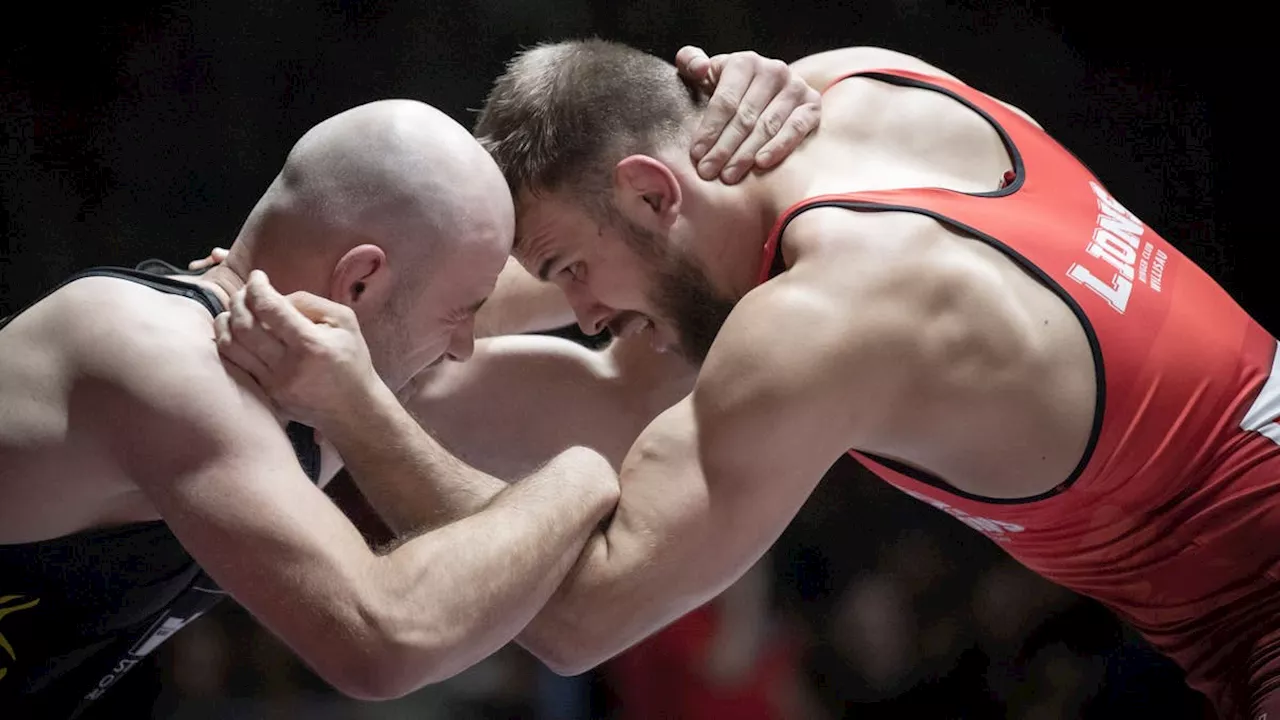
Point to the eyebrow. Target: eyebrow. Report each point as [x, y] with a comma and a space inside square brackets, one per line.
[544, 270]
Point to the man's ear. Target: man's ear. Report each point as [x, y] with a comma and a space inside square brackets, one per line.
[361, 278]
[647, 191]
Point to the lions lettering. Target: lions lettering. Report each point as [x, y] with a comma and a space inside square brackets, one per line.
[1114, 245]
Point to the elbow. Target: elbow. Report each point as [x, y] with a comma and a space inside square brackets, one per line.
[565, 661]
[565, 651]
[370, 675]
[384, 664]
[359, 676]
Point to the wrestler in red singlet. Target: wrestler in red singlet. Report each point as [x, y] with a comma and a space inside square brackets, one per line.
[1172, 516]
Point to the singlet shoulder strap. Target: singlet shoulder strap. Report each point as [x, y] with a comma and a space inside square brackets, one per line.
[141, 276]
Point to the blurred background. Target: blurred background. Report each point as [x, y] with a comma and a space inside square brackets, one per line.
[135, 130]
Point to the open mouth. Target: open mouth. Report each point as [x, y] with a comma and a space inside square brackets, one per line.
[629, 323]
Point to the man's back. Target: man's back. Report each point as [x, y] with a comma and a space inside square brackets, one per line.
[975, 330]
[1122, 361]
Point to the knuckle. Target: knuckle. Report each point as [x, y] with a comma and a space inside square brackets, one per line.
[772, 123]
[348, 318]
[777, 67]
[724, 101]
[240, 324]
[799, 123]
[715, 156]
[745, 117]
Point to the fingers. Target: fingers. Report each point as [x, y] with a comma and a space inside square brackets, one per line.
[236, 353]
[321, 310]
[215, 257]
[803, 121]
[721, 129]
[273, 311]
[695, 67]
[752, 119]
[774, 118]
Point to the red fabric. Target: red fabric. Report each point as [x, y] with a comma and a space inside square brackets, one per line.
[664, 676]
[1174, 521]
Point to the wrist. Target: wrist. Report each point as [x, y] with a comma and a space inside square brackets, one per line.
[370, 411]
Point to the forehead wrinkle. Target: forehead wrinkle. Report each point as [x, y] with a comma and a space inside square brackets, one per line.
[531, 247]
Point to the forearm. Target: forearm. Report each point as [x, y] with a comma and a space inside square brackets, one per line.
[609, 601]
[483, 578]
[408, 477]
[660, 556]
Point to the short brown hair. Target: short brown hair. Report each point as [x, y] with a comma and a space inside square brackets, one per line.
[565, 113]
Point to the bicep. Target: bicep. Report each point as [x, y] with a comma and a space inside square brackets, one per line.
[706, 489]
[212, 459]
[703, 495]
[522, 400]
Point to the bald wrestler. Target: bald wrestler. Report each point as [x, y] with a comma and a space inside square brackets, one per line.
[132, 463]
[141, 480]
[930, 280]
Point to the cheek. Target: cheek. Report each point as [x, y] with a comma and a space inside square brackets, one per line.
[613, 282]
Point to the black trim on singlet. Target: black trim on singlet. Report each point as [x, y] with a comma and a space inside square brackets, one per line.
[1019, 169]
[1094, 347]
[156, 282]
[150, 273]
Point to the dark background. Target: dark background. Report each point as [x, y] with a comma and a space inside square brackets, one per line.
[136, 130]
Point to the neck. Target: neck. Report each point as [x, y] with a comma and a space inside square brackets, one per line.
[742, 216]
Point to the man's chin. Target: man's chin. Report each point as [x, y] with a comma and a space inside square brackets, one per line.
[410, 388]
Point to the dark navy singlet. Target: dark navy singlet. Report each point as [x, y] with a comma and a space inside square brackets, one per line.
[76, 612]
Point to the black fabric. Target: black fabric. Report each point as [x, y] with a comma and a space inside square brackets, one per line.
[76, 612]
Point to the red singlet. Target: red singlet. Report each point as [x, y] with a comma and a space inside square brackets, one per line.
[1172, 516]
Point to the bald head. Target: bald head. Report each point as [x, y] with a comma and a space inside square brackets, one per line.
[397, 174]
[393, 209]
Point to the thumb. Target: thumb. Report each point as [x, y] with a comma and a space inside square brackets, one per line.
[693, 65]
[321, 310]
[273, 311]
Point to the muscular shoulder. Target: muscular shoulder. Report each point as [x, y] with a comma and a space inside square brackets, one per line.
[144, 372]
[822, 69]
[832, 333]
[112, 329]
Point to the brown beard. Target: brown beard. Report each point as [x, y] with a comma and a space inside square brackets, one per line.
[685, 297]
[682, 292]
